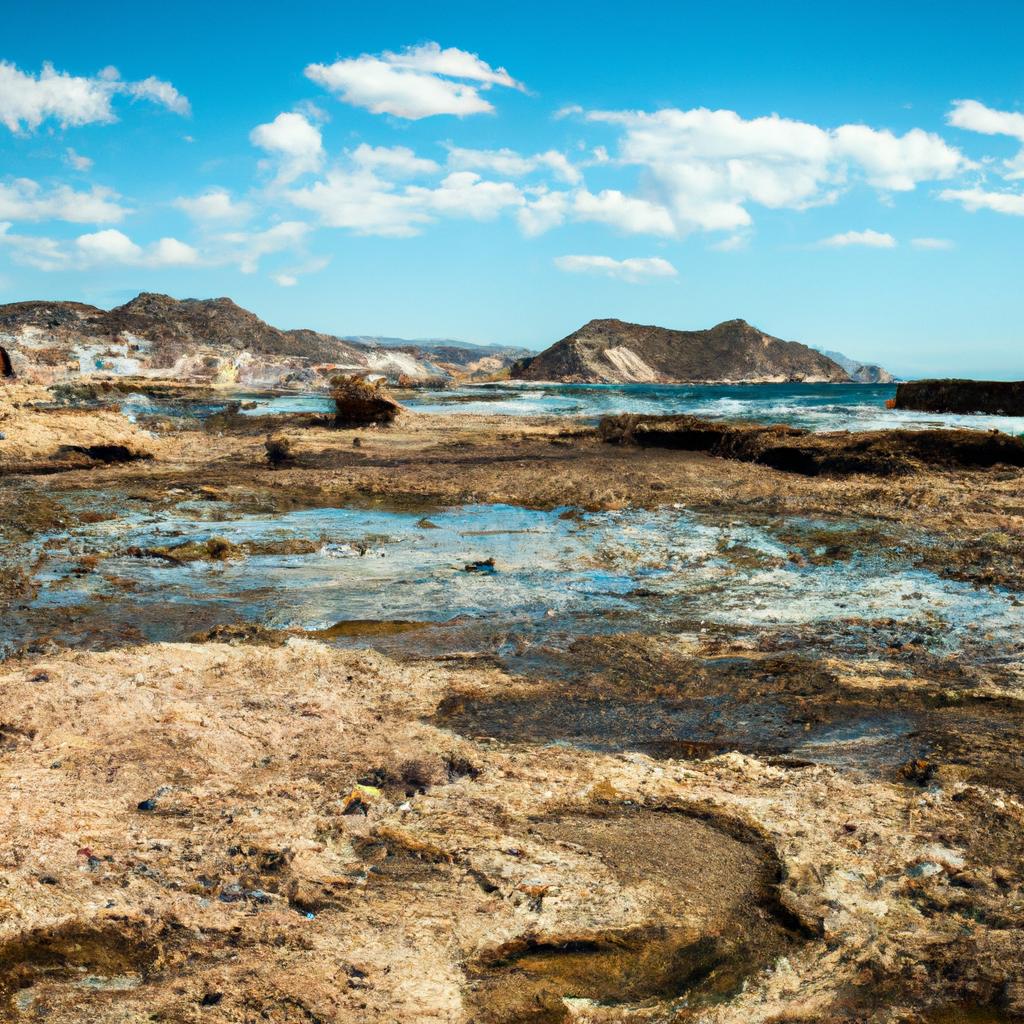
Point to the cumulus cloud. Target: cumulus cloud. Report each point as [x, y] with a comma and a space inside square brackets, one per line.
[626, 213]
[634, 270]
[898, 162]
[214, 205]
[113, 246]
[109, 247]
[704, 168]
[364, 196]
[542, 212]
[27, 100]
[393, 161]
[869, 238]
[294, 142]
[932, 243]
[509, 164]
[976, 117]
[465, 194]
[974, 199]
[25, 199]
[420, 81]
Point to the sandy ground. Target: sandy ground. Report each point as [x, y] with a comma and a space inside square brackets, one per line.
[204, 832]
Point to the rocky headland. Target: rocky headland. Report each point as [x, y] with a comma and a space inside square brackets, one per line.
[612, 351]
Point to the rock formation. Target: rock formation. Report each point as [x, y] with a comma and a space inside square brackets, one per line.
[199, 339]
[997, 397]
[612, 351]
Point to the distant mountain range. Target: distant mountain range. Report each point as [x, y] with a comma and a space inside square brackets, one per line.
[612, 351]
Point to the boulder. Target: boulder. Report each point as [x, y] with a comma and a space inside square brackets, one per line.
[361, 403]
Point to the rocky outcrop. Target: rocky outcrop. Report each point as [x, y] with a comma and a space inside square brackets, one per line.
[612, 351]
[996, 397]
[197, 339]
[881, 452]
[860, 372]
[35, 438]
[358, 403]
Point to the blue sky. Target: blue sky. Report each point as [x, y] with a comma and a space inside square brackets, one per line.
[853, 179]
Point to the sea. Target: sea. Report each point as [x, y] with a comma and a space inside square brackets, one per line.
[817, 407]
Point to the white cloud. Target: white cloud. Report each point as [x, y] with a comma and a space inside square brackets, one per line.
[98, 248]
[162, 93]
[465, 194]
[27, 100]
[393, 161]
[704, 168]
[247, 248]
[932, 243]
[420, 81]
[366, 202]
[24, 199]
[509, 164]
[113, 246]
[974, 199]
[633, 270]
[294, 142]
[898, 162]
[286, 280]
[542, 212]
[976, 117]
[453, 63]
[627, 213]
[363, 203]
[872, 239]
[77, 161]
[214, 205]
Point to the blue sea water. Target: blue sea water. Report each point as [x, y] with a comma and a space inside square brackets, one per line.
[818, 407]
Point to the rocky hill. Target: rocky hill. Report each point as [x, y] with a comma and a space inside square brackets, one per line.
[157, 335]
[859, 371]
[612, 351]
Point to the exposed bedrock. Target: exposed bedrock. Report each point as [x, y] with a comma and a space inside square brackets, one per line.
[881, 452]
[998, 397]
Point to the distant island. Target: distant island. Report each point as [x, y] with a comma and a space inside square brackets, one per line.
[734, 352]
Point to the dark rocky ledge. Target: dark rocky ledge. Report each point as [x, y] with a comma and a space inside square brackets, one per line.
[1001, 398]
[879, 452]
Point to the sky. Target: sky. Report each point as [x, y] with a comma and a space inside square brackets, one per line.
[850, 176]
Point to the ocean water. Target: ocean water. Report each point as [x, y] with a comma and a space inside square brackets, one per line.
[818, 407]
